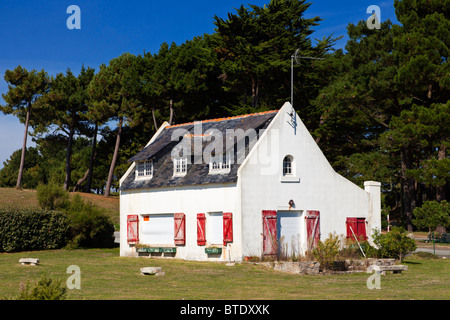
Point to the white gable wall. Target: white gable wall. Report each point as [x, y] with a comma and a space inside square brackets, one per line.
[320, 187]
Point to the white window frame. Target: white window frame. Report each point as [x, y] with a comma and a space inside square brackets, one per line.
[289, 173]
[179, 167]
[220, 166]
[144, 170]
[288, 166]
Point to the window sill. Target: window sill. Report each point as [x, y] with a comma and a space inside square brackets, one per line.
[289, 179]
[215, 172]
[143, 178]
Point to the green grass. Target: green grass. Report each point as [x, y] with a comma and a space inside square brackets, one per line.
[106, 276]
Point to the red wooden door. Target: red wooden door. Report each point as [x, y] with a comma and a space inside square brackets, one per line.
[269, 232]
[312, 228]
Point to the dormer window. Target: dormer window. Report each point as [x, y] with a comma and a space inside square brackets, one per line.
[220, 164]
[179, 166]
[144, 169]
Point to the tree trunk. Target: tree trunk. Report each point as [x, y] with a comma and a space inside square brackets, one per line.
[441, 190]
[91, 162]
[154, 119]
[69, 154]
[171, 111]
[77, 186]
[24, 148]
[255, 92]
[408, 188]
[114, 159]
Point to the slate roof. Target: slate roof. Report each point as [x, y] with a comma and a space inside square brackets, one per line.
[160, 152]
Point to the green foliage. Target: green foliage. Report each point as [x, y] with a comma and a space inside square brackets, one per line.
[326, 251]
[52, 196]
[432, 214]
[47, 288]
[28, 230]
[89, 226]
[394, 244]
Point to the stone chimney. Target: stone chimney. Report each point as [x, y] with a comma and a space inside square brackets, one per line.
[374, 218]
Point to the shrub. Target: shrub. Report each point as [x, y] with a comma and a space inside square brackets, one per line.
[52, 196]
[394, 244]
[46, 288]
[327, 251]
[28, 230]
[89, 227]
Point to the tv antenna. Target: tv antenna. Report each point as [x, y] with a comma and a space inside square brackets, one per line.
[297, 57]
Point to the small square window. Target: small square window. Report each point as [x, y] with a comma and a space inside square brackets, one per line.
[144, 169]
[180, 166]
[220, 164]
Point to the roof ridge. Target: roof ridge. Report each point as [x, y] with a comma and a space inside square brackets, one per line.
[224, 119]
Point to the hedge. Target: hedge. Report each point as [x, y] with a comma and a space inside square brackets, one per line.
[29, 230]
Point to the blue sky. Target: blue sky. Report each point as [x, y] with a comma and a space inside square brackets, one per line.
[34, 34]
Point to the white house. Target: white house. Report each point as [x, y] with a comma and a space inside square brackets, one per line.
[250, 185]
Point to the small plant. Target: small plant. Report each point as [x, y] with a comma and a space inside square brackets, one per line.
[46, 288]
[52, 196]
[394, 244]
[326, 251]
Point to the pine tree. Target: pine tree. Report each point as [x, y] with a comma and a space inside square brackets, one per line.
[24, 88]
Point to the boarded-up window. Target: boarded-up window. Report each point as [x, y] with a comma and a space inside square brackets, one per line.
[133, 229]
[227, 228]
[158, 230]
[214, 228]
[356, 227]
[201, 229]
[180, 229]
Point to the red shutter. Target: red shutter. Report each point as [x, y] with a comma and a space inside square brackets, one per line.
[269, 232]
[180, 229]
[227, 228]
[361, 229]
[312, 228]
[352, 224]
[201, 230]
[133, 229]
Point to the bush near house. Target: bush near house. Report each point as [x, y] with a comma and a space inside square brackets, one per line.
[29, 230]
[74, 223]
[394, 244]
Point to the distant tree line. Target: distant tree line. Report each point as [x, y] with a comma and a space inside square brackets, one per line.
[379, 109]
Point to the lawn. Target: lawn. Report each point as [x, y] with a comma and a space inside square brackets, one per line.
[106, 276]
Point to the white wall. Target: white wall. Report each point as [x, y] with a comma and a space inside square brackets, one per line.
[320, 187]
[189, 200]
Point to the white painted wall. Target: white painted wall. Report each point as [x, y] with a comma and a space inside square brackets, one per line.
[320, 187]
[189, 200]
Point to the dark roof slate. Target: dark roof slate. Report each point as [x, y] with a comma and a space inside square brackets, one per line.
[197, 174]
